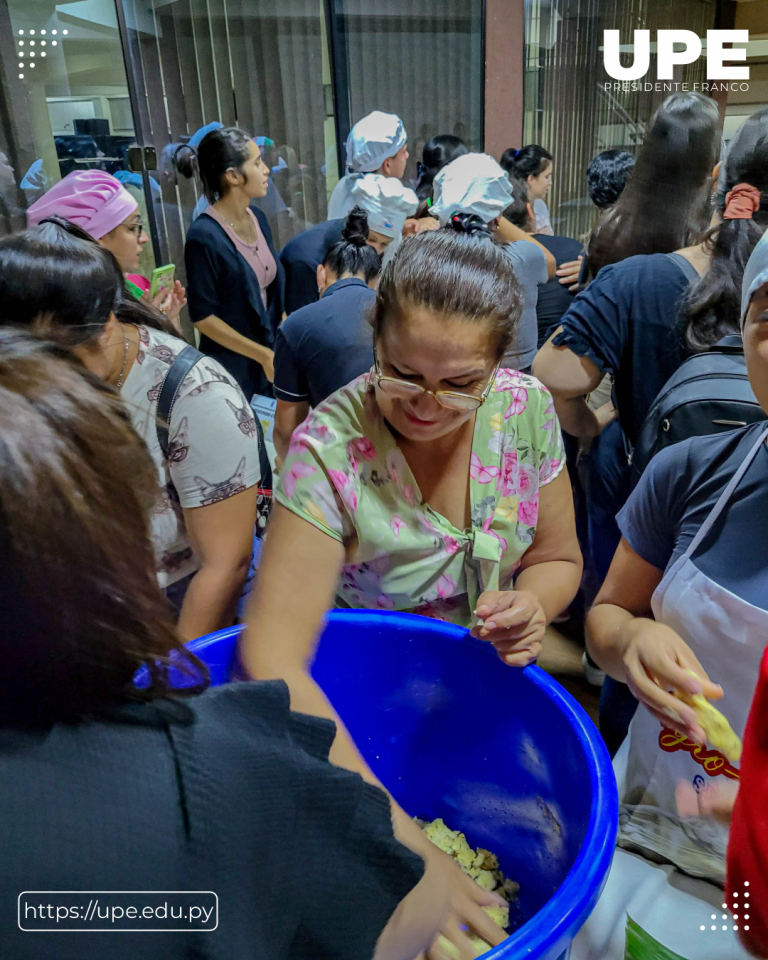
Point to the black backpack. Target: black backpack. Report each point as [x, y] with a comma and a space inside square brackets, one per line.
[709, 393]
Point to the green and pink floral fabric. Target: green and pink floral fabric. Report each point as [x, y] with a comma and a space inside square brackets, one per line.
[345, 474]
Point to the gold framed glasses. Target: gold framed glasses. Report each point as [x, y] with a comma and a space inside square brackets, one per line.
[450, 399]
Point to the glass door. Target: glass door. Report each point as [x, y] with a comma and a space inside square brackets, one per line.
[242, 63]
[420, 59]
[64, 103]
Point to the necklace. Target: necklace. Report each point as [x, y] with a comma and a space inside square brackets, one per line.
[251, 243]
[125, 363]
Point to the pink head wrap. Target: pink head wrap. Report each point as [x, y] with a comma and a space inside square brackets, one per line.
[92, 199]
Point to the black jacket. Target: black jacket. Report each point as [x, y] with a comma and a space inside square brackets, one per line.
[220, 282]
[301, 257]
[228, 792]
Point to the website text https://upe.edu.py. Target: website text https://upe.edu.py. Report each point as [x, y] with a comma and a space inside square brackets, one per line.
[117, 911]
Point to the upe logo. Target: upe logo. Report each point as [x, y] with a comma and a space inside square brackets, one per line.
[668, 57]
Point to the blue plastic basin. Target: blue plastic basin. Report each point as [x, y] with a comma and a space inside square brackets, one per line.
[506, 755]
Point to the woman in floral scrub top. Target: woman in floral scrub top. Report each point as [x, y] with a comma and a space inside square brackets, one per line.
[427, 494]
[346, 475]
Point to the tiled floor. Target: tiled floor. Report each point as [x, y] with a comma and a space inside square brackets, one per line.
[561, 657]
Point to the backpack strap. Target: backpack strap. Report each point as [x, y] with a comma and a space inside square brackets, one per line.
[732, 343]
[685, 266]
[177, 371]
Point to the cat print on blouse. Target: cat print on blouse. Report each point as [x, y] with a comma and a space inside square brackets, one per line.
[206, 443]
[178, 447]
[153, 394]
[245, 418]
[163, 352]
[171, 562]
[214, 492]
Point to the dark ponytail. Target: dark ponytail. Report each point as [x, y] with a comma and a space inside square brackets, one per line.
[713, 305]
[184, 159]
[470, 224]
[664, 205]
[352, 254]
[529, 161]
[517, 212]
[56, 280]
[438, 153]
[219, 151]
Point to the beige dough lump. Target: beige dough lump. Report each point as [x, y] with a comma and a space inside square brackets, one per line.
[482, 866]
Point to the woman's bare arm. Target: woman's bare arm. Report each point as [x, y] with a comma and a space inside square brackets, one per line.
[623, 598]
[551, 567]
[569, 379]
[284, 620]
[298, 561]
[511, 234]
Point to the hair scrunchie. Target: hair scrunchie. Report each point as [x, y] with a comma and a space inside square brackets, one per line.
[741, 202]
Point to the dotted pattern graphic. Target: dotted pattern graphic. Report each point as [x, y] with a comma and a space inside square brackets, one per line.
[739, 914]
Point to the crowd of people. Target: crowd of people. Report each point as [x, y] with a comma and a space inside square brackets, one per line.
[460, 397]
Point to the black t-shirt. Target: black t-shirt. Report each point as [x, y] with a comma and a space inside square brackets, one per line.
[677, 492]
[554, 298]
[627, 322]
[325, 345]
[301, 257]
[229, 792]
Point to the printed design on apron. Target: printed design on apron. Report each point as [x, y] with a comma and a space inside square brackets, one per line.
[713, 762]
[728, 636]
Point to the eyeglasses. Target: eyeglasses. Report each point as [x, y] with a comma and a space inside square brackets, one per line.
[135, 228]
[450, 399]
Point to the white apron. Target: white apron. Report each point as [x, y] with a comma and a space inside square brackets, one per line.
[728, 635]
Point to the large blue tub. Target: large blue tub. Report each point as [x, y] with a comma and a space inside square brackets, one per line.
[506, 755]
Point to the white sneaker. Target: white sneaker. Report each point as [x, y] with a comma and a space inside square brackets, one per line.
[595, 676]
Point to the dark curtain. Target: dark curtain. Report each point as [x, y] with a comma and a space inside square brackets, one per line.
[250, 63]
[420, 59]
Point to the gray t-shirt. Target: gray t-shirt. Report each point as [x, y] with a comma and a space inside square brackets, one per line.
[531, 269]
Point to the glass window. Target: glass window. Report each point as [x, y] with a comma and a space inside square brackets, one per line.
[251, 63]
[567, 109]
[66, 103]
[420, 59]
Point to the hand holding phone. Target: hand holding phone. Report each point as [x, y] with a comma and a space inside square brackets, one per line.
[162, 279]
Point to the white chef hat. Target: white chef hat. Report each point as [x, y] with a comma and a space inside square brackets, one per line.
[373, 140]
[386, 201]
[474, 183]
